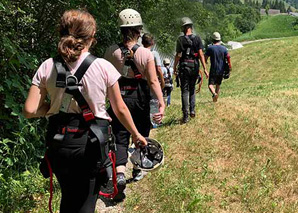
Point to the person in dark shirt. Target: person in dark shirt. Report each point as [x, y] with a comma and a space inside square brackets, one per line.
[218, 54]
[189, 50]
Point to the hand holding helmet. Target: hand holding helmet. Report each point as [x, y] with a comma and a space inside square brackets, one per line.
[139, 140]
[149, 157]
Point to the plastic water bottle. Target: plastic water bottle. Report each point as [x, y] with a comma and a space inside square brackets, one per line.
[154, 108]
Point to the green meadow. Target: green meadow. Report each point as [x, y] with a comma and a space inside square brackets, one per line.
[239, 154]
[272, 27]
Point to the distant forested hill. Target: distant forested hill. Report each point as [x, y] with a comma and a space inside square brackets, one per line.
[293, 3]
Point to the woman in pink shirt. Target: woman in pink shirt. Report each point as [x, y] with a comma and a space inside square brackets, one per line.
[74, 159]
[137, 68]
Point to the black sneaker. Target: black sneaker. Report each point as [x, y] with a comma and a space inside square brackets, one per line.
[121, 185]
[137, 174]
[185, 119]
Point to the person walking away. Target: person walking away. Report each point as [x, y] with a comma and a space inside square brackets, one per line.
[168, 76]
[137, 68]
[218, 55]
[72, 148]
[148, 42]
[189, 50]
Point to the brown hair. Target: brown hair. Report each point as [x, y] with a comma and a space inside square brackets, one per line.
[147, 40]
[130, 33]
[77, 29]
[186, 27]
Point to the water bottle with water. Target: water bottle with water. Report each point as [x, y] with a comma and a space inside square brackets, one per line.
[154, 108]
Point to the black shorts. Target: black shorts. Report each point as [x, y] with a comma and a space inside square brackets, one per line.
[215, 79]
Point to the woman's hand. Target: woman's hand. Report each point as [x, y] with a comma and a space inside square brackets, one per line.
[157, 117]
[139, 140]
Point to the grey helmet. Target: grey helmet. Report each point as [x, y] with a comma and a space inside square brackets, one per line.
[186, 21]
[147, 158]
[130, 18]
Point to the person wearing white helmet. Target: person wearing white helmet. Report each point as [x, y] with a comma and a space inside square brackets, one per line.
[168, 76]
[189, 50]
[218, 56]
[137, 67]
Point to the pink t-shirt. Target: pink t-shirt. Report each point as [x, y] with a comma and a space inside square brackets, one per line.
[141, 58]
[100, 75]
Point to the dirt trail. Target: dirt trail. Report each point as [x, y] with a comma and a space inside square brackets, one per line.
[265, 39]
[105, 205]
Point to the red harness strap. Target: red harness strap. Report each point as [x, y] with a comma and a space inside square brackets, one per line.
[51, 182]
[112, 156]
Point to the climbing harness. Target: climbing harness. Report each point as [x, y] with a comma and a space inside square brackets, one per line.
[98, 129]
[135, 87]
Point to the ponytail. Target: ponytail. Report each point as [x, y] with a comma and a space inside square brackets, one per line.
[77, 29]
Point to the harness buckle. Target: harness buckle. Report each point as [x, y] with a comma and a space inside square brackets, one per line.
[71, 80]
[138, 76]
[88, 115]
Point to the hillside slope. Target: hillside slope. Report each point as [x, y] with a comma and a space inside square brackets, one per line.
[239, 154]
[272, 27]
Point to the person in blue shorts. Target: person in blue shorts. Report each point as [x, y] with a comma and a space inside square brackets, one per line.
[218, 54]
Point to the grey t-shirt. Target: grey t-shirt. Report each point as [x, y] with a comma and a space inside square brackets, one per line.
[156, 58]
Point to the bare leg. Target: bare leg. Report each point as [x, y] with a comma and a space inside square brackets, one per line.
[120, 169]
[213, 91]
[211, 88]
[215, 97]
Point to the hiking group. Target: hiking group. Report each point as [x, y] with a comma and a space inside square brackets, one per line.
[86, 143]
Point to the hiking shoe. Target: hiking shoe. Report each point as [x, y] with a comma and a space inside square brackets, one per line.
[215, 97]
[192, 114]
[185, 120]
[121, 185]
[137, 174]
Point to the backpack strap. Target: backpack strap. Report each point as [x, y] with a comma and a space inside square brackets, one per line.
[189, 52]
[129, 56]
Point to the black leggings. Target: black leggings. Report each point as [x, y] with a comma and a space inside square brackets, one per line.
[140, 113]
[74, 162]
[79, 193]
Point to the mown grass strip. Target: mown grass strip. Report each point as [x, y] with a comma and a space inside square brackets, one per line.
[238, 155]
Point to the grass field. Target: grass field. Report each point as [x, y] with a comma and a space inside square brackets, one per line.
[239, 154]
[271, 27]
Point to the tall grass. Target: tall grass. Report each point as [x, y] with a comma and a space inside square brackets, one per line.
[239, 154]
[272, 27]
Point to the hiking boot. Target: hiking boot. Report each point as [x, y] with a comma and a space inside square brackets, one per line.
[185, 119]
[121, 185]
[215, 97]
[137, 174]
[192, 114]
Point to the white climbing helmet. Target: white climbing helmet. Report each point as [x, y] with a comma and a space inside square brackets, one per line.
[166, 61]
[216, 36]
[147, 158]
[130, 18]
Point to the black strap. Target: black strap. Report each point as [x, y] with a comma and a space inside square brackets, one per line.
[129, 59]
[189, 40]
[189, 51]
[169, 73]
[84, 66]
[62, 69]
